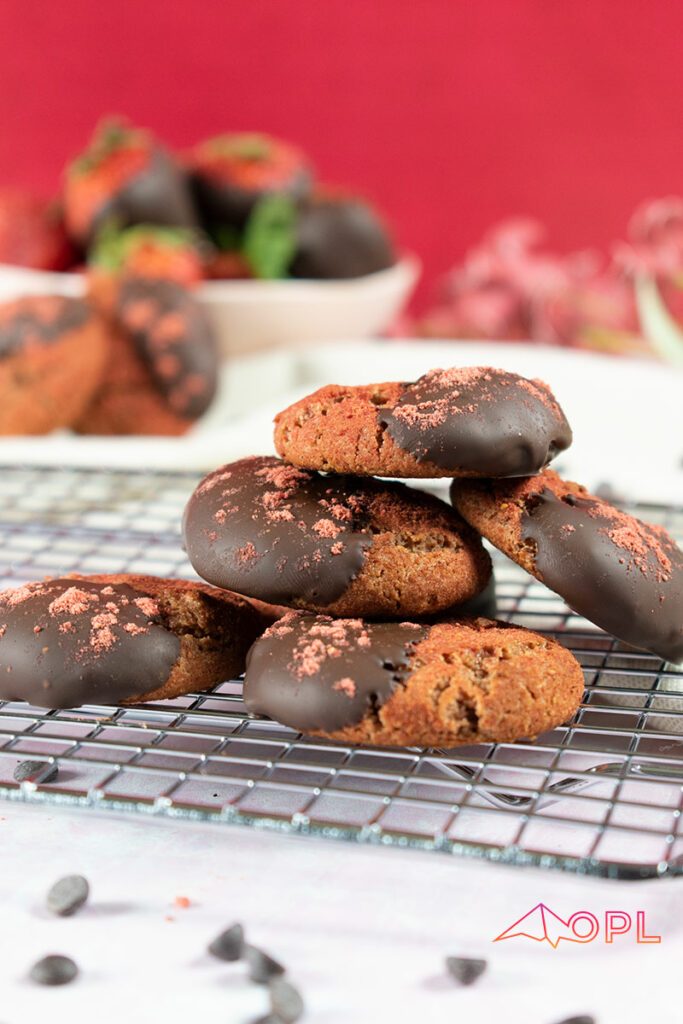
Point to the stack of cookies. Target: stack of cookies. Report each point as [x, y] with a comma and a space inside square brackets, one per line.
[383, 644]
[356, 602]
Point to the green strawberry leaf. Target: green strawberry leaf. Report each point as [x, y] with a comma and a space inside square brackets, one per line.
[247, 146]
[269, 240]
[113, 245]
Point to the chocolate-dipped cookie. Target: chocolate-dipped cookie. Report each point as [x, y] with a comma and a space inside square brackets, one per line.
[125, 177]
[337, 544]
[403, 684]
[339, 237]
[230, 173]
[624, 575]
[468, 421]
[162, 370]
[53, 352]
[121, 639]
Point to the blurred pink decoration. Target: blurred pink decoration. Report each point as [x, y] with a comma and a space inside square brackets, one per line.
[509, 288]
[595, 311]
[656, 238]
[492, 294]
[655, 249]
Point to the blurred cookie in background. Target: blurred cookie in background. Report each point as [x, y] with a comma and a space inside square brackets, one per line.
[53, 354]
[162, 367]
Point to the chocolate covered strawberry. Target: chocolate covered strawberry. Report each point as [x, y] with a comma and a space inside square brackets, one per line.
[126, 177]
[340, 237]
[231, 173]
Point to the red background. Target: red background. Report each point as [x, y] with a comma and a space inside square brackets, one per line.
[449, 114]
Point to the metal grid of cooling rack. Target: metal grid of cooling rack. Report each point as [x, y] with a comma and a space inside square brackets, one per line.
[601, 795]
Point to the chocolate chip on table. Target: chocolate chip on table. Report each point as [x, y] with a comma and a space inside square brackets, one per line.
[28, 771]
[262, 968]
[229, 945]
[68, 895]
[286, 1004]
[54, 970]
[464, 969]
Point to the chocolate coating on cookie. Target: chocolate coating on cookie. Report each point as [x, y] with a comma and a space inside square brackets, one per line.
[621, 573]
[69, 642]
[478, 419]
[315, 673]
[38, 320]
[451, 683]
[174, 339]
[277, 533]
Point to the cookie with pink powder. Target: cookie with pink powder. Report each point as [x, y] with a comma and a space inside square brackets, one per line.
[444, 684]
[624, 575]
[339, 544]
[121, 639]
[162, 368]
[467, 421]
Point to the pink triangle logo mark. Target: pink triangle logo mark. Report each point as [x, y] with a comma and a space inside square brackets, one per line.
[541, 923]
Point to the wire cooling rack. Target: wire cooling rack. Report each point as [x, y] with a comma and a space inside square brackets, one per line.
[601, 795]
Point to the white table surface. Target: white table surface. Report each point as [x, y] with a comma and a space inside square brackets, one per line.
[363, 931]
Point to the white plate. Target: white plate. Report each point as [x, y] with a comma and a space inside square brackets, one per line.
[252, 316]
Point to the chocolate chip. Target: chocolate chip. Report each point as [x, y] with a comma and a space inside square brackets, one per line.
[261, 966]
[53, 970]
[464, 969]
[68, 895]
[28, 771]
[286, 1004]
[583, 1019]
[229, 945]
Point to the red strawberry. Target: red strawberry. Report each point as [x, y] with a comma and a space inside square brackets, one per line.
[32, 233]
